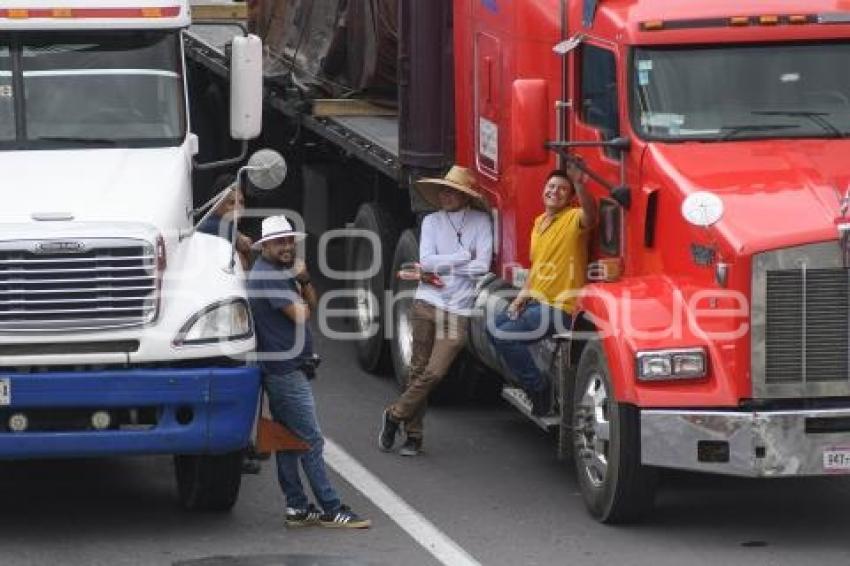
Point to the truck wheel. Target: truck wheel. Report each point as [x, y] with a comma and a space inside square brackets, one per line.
[401, 344]
[373, 348]
[208, 482]
[615, 486]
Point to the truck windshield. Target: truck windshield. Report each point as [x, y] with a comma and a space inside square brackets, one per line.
[109, 90]
[742, 92]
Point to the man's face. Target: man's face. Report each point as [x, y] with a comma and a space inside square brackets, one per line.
[231, 203]
[557, 193]
[280, 250]
[451, 200]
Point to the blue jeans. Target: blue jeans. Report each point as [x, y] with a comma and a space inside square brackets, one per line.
[291, 402]
[534, 323]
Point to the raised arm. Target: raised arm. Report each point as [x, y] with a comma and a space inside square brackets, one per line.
[588, 204]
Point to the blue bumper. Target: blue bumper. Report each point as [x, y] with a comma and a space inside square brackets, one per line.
[222, 403]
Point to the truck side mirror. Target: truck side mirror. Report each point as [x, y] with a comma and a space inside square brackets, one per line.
[530, 121]
[246, 88]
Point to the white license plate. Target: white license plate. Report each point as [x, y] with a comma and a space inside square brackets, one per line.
[5, 391]
[836, 460]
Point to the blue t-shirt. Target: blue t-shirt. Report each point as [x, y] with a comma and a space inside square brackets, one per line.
[282, 345]
[216, 226]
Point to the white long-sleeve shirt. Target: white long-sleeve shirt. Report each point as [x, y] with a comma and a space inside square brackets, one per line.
[459, 259]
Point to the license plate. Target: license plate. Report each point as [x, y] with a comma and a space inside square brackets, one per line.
[5, 391]
[836, 460]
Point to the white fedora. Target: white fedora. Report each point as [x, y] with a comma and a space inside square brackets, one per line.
[275, 227]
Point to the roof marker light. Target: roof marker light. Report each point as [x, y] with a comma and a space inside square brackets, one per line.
[768, 20]
[653, 25]
[89, 13]
[739, 21]
[798, 19]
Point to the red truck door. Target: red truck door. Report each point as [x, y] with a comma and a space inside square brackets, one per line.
[596, 117]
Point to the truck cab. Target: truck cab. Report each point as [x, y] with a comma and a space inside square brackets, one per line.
[123, 331]
[713, 333]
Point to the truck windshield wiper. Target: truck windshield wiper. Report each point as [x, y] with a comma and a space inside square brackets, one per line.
[77, 140]
[818, 118]
[734, 130]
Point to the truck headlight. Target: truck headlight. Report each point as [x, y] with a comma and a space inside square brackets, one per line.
[221, 322]
[661, 365]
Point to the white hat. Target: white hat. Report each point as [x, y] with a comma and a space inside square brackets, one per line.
[275, 227]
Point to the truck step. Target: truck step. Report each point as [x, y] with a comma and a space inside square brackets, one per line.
[517, 397]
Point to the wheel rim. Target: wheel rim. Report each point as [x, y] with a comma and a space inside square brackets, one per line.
[593, 430]
[404, 332]
[365, 301]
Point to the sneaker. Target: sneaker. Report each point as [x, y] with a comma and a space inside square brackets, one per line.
[344, 518]
[389, 430]
[411, 447]
[303, 517]
[541, 401]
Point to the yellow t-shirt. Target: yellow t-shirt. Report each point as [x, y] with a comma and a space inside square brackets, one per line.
[559, 259]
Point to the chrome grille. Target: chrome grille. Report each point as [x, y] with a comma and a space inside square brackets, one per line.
[801, 323]
[93, 284]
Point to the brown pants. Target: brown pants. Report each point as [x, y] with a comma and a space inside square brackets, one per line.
[438, 337]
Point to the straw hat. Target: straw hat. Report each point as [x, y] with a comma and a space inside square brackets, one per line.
[458, 178]
[275, 227]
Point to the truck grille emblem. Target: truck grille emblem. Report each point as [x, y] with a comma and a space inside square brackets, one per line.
[64, 247]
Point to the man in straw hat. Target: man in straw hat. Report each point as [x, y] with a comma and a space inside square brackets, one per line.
[558, 264]
[282, 300]
[456, 247]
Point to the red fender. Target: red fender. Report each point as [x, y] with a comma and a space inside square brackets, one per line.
[659, 313]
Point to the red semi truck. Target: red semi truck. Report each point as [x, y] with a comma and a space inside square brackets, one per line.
[714, 335]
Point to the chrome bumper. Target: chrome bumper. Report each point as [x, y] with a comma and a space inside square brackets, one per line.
[753, 444]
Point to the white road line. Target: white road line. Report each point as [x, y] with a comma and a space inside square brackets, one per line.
[409, 519]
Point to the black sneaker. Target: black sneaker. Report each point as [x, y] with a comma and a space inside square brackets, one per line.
[303, 517]
[389, 430]
[411, 447]
[344, 518]
[541, 401]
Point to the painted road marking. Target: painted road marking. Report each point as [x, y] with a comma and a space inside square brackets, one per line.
[409, 519]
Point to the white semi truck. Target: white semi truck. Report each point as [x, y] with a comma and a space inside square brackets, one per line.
[122, 330]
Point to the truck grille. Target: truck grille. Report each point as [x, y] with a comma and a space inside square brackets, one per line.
[80, 285]
[801, 325]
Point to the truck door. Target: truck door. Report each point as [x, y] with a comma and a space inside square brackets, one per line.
[595, 94]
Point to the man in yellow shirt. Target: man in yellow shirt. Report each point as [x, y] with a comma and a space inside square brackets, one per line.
[558, 270]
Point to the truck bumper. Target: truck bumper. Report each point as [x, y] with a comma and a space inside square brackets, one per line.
[189, 411]
[752, 444]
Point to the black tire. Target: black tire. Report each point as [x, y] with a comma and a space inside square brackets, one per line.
[208, 482]
[373, 350]
[621, 490]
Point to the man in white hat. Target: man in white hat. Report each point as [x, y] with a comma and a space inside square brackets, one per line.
[455, 248]
[282, 301]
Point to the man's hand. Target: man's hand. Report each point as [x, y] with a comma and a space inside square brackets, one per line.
[299, 271]
[243, 244]
[576, 175]
[518, 305]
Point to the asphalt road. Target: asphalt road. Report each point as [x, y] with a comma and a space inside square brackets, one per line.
[488, 480]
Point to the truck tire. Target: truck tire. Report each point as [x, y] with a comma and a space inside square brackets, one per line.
[373, 349]
[401, 343]
[208, 482]
[615, 486]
